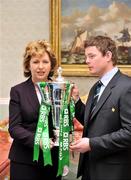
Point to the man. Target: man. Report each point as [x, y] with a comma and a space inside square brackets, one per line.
[106, 143]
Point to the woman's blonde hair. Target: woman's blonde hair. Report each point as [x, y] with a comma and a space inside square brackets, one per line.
[35, 48]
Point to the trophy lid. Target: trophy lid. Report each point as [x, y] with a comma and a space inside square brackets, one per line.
[60, 78]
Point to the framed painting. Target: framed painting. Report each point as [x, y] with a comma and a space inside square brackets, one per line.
[74, 21]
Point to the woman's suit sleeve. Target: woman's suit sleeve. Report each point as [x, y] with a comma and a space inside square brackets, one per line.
[16, 129]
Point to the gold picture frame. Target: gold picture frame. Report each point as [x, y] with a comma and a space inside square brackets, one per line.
[55, 39]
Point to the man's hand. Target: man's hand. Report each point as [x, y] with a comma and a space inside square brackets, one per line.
[75, 93]
[82, 145]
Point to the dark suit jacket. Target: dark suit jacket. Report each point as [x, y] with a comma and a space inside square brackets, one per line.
[109, 131]
[23, 118]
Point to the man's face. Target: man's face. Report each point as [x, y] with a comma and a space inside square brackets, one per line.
[97, 63]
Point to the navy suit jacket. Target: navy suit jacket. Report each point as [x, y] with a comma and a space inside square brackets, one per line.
[109, 131]
[23, 117]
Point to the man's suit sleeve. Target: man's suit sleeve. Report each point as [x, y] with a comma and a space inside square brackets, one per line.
[80, 111]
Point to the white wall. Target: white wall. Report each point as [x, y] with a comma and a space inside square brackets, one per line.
[22, 21]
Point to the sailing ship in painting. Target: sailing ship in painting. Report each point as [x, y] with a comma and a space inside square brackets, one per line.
[74, 53]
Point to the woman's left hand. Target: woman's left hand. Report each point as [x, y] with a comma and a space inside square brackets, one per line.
[51, 143]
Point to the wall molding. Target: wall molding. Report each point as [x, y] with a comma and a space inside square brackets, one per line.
[4, 101]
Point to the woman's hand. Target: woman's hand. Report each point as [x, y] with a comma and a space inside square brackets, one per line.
[51, 143]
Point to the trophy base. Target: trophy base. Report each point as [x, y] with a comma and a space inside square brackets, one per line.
[56, 133]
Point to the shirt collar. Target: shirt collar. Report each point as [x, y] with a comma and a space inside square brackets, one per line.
[108, 76]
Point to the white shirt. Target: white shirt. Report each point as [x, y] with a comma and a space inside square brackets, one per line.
[38, 94]
[106, 79]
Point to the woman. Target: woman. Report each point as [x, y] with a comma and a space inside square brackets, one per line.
[39, 64]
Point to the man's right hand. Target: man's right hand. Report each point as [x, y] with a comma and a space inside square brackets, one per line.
[75, 93]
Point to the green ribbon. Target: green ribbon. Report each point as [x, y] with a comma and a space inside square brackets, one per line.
[72, 115]
[46, 140]
[72, 110]
[67, 112]
[42, 131]
[65, 130]
[38, 133]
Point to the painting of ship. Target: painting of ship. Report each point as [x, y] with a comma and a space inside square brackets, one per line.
[78, 43]
[79, 21]
[74, 54]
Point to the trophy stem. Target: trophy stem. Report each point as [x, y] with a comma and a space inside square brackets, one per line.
[56, 133]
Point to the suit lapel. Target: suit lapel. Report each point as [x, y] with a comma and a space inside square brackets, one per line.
[88, 104]
[106, 93]
[101, 101]
[31, 95]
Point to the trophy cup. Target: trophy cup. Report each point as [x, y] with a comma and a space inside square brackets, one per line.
[57, 91]
[54, 93]
[56, 97]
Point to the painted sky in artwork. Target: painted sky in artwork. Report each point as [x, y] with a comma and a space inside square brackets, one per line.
[98, 17]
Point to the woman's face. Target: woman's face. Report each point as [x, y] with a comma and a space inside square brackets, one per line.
[40, 67]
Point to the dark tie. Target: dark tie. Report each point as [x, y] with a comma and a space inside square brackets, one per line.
[96, 95]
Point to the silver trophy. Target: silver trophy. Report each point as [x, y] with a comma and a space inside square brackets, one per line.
[57, 91]
[53, 94]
